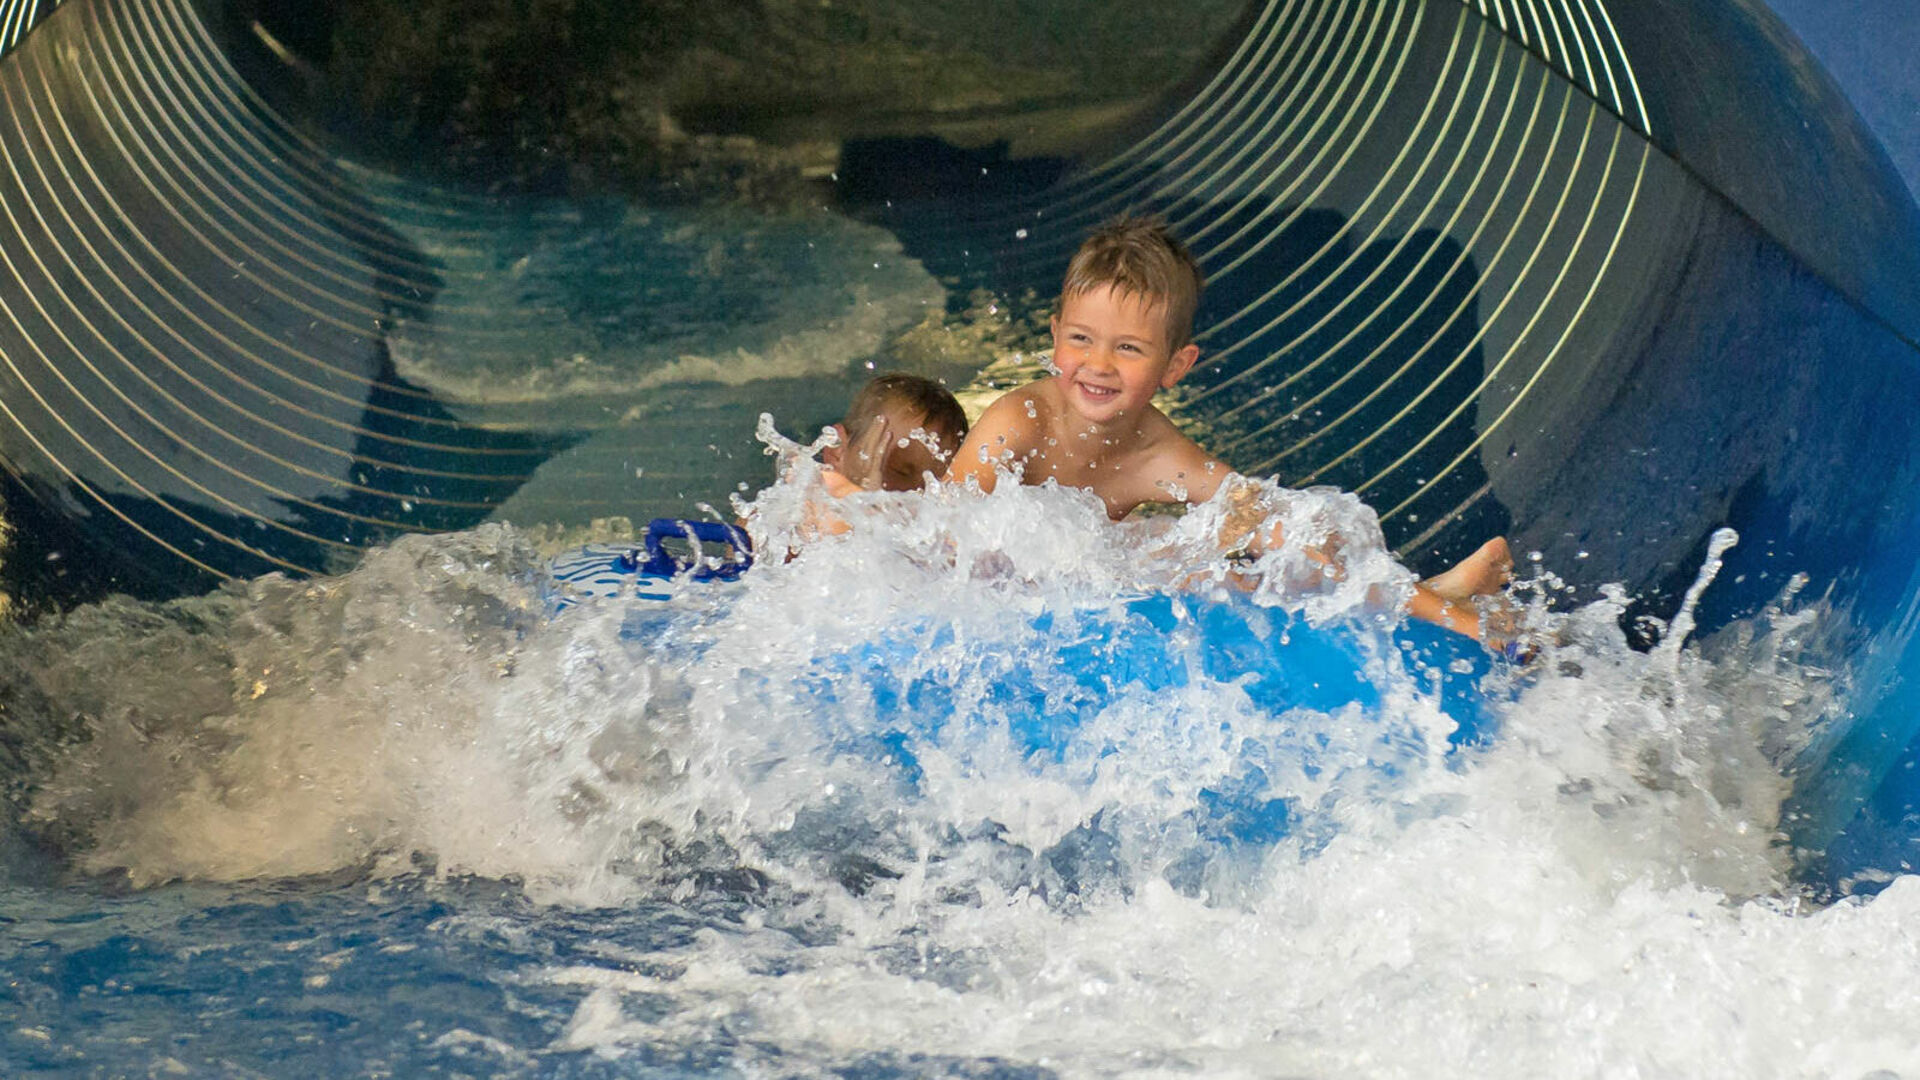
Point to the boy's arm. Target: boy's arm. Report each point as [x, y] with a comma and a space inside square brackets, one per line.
[1184, 472]
[1208, 473]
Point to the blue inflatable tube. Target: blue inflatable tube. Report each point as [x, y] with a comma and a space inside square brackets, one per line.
[1074, 665]
[1279, 661]
[1048, 691]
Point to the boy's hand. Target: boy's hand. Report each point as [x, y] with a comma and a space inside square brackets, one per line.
[837, 483]
[863, 464]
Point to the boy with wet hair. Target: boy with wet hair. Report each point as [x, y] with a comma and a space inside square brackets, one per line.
[898, 429]
[1122, 333]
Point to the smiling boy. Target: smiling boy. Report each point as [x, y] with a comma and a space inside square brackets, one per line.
[1123, 333]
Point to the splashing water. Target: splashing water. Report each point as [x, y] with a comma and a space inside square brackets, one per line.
[934, 798]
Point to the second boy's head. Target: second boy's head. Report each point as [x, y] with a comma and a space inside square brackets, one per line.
[897, 406]
[1124, 327]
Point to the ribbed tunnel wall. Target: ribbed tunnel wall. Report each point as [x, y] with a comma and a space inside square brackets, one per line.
[194, 316]
[1555, 269]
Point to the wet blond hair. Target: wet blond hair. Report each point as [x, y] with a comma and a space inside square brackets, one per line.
[1140, 256]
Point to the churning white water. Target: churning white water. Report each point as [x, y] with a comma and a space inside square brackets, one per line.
[978, 817]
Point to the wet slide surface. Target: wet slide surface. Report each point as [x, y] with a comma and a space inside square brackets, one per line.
[1603, 277]
[966, 791]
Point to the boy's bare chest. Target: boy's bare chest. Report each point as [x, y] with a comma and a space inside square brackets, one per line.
[1110, 474]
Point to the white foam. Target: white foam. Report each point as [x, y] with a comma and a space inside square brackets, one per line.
[1597, 892]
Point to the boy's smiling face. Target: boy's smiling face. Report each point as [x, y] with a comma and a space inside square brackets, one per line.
[1113, 352]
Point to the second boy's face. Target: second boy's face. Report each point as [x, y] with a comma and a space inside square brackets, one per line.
[1113, 353]
[904, 468]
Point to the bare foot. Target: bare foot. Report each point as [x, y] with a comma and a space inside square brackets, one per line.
[1482, 573]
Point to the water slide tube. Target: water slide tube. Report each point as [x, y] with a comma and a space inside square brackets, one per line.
[1603, 276]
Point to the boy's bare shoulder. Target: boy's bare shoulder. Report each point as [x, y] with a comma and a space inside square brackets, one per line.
[1035, 399]
[1008, 430]
[1021, 413]
[1174, 467]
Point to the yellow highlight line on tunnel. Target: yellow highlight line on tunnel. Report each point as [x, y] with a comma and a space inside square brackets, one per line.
[1386, 179]
[1566, 331]
[1305, 203]
[1539, 31]
[1468, 248]
[1587, 76]
[1517, 221]
[1646, 122]
[128, 222]
[95, 260]
[1441, 233]
[1519, 339]
[1296, 144]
